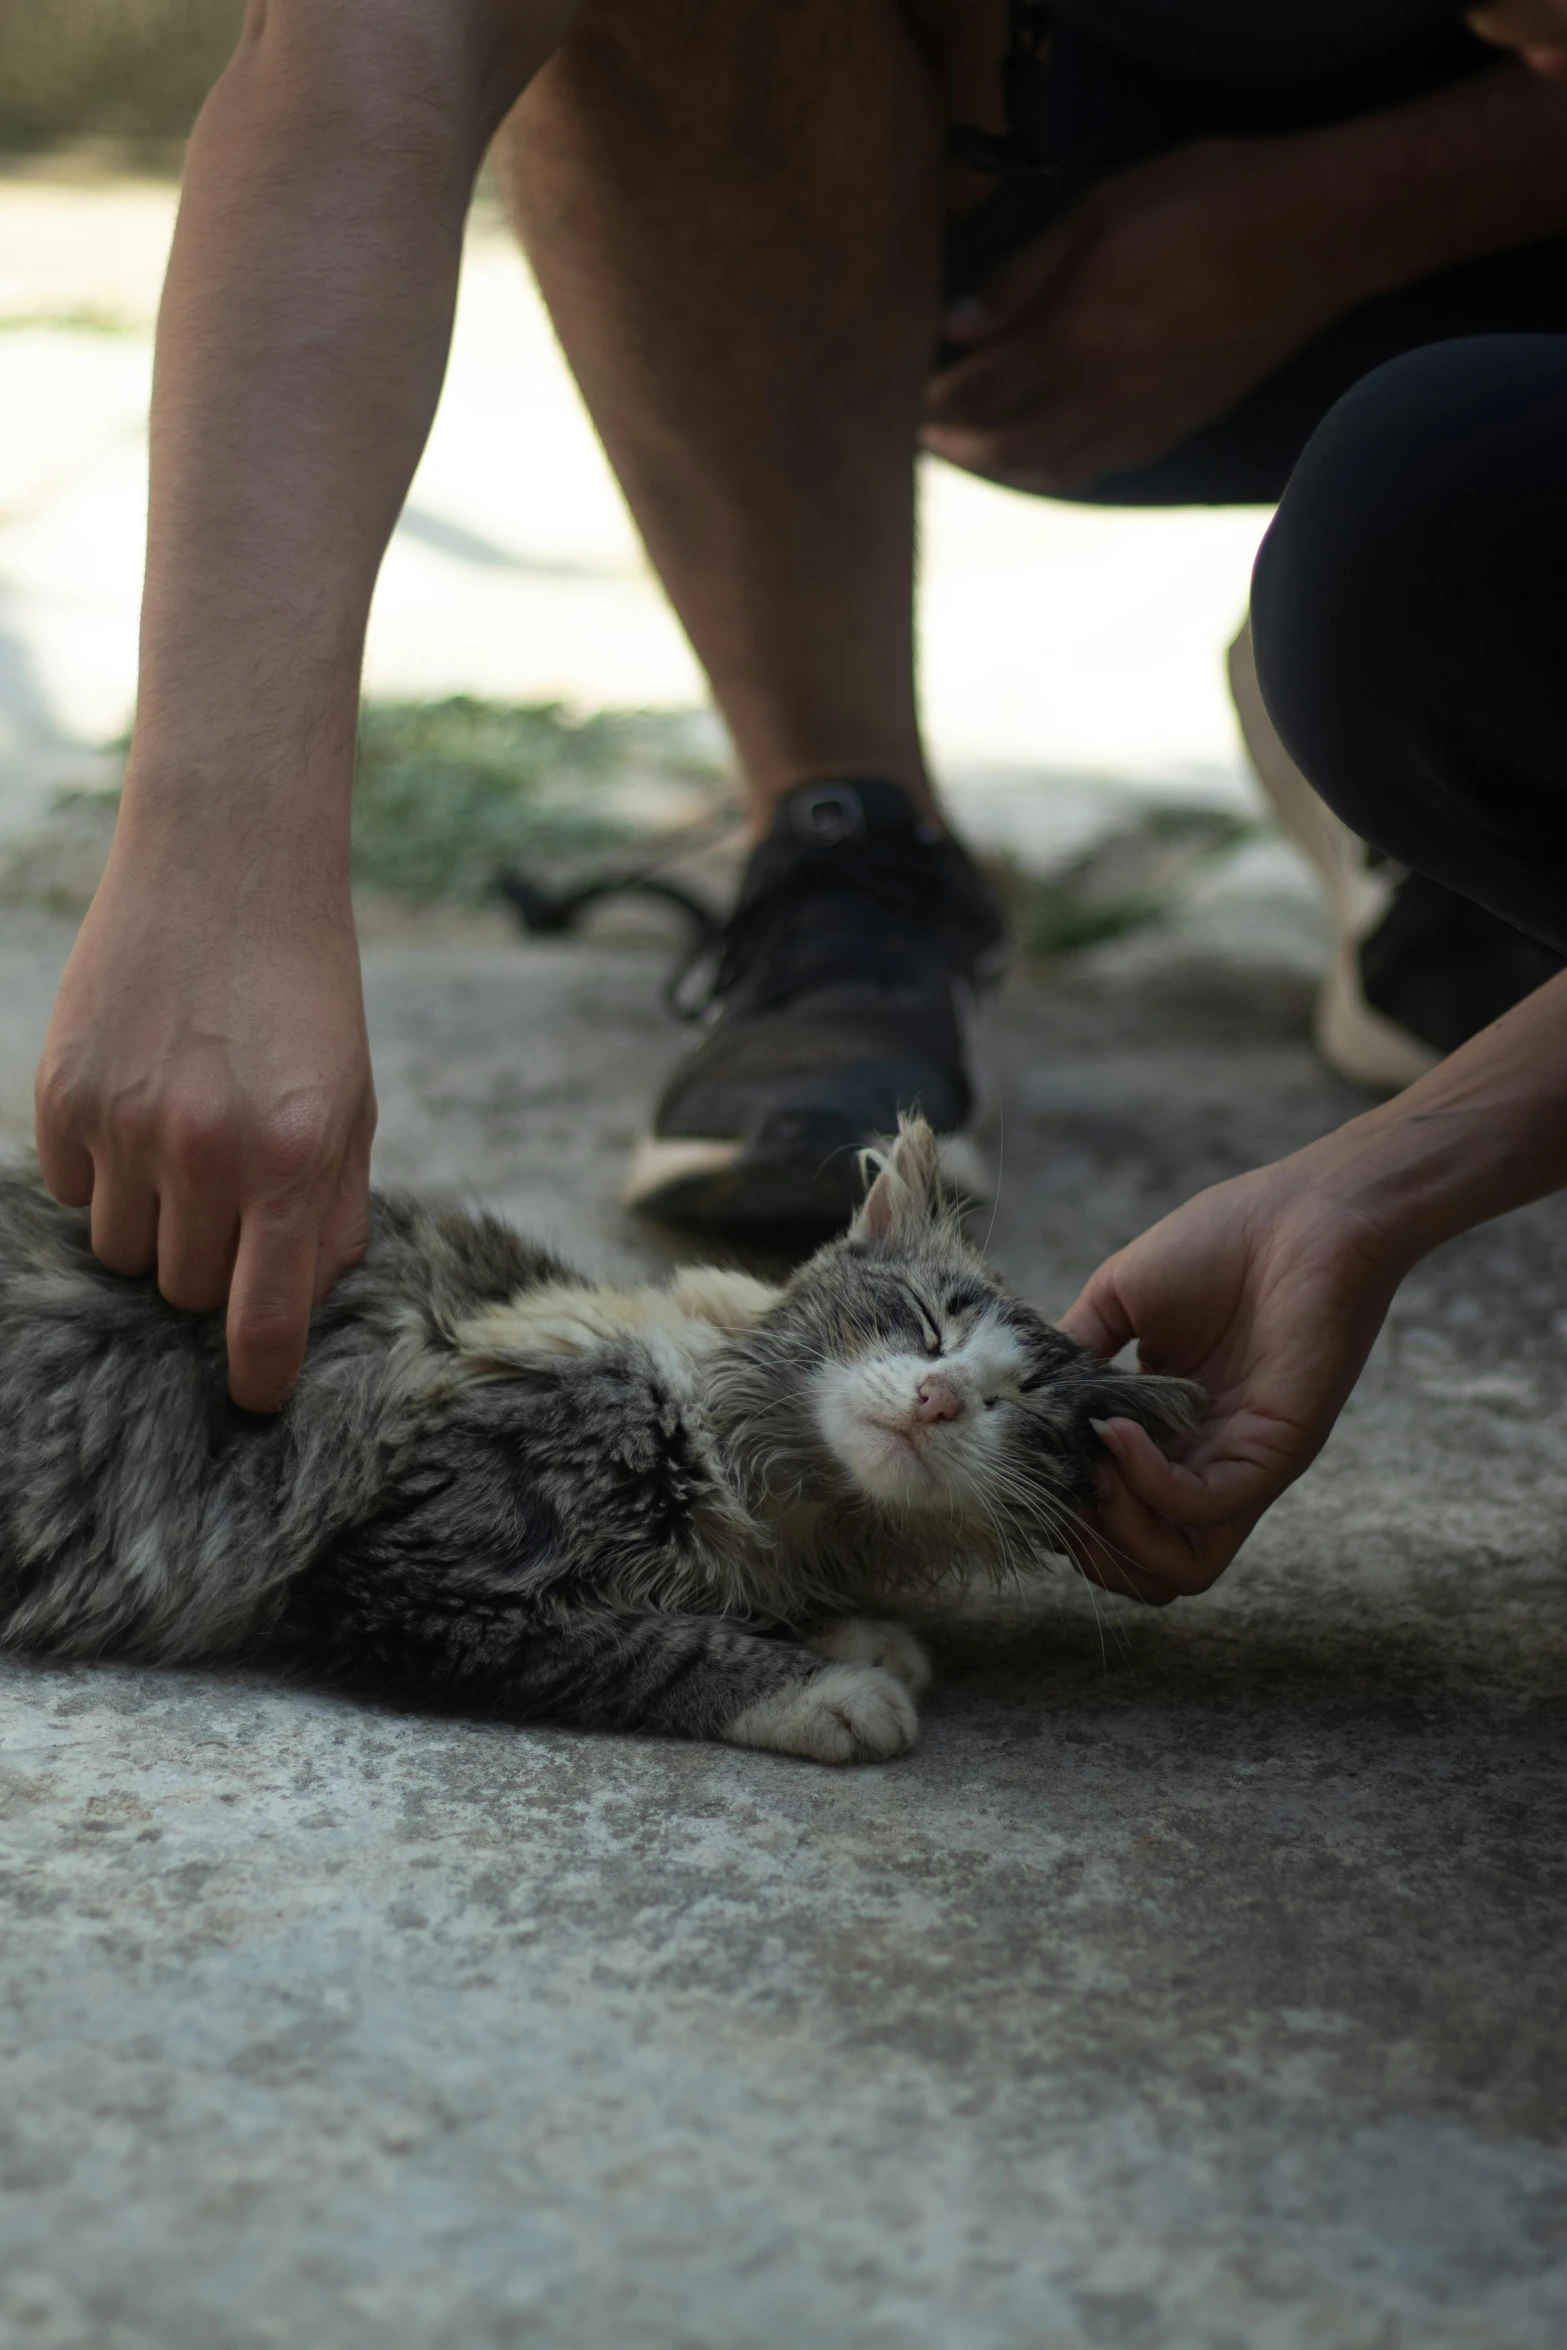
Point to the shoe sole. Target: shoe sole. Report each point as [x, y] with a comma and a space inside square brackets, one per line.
[686, 1180]
[1357, 1041]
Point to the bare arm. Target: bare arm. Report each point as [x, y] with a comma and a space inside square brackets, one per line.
[1271, 1289]
[206, 1083]
[1171, 290]
[1473, 169]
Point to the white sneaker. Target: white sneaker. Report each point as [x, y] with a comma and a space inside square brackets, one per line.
[1353, 1037]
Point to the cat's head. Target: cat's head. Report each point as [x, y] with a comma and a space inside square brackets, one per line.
[898, 1375]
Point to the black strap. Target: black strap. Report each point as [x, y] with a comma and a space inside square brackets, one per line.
[549, 913]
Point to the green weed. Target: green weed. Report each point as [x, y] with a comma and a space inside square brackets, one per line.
[1133, 877]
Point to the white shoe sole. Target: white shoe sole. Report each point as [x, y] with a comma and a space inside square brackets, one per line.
[1355, 1039]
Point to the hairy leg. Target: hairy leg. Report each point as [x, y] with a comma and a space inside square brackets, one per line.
[733, 208]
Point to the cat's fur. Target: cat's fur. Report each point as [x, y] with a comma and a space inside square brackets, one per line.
[498, 1484]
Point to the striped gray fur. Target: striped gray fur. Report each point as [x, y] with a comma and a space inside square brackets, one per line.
[502, 1486]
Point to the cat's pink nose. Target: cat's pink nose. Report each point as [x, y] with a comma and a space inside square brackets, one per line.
[938, 1399]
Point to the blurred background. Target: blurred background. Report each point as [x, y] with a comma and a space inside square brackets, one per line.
[1072, 659]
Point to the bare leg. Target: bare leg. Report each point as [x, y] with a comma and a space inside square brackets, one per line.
[734, 210]
[733, 207]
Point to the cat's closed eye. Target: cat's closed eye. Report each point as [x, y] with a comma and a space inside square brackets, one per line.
[930, 1328]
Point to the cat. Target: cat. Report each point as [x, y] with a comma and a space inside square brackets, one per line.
[497, 1484]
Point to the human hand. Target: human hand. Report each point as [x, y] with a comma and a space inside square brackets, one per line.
[1152, 307]
[1269, 1290]
[206, 1088]
[1537, 29]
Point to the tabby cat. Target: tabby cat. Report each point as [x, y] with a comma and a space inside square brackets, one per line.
[661, 1508]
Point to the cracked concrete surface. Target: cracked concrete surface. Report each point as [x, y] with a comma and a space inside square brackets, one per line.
[1195, 1986]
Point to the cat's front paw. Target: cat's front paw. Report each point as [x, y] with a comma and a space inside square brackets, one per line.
[845, 1713]
[858, 1640]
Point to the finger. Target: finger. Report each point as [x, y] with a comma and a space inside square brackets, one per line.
[124, 1228]
[1001, 457]
[1103, 1557]
[345, 1232]
[1208, 1496]
[1079, 454]
[1177, 1560]
[198, 1233]
[1104, 1562]
[66, 1168]
[64, 1160]
[1013, 381]
[1047, 453]
[1010, 288]
[971, 452]
[1189, 1558]
[270, 1302]
[1097, 1318]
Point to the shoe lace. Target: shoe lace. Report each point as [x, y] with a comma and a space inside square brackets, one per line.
[866, 911]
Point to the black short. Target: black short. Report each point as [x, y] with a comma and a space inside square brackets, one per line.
[1098, 110]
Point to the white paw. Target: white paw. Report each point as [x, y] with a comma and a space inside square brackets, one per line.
[848, 1713]
[857, 1640]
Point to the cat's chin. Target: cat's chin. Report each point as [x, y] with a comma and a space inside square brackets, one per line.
[887, 1465]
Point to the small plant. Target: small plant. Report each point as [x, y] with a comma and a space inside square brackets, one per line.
[1131, 878]
[84, 320]
[447, 797]
[449, 793]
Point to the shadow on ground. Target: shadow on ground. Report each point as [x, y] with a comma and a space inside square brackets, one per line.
[1196, 1985]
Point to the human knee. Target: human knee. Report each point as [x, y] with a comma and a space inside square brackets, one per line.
[1396, 576]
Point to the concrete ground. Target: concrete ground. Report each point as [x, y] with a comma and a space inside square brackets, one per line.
[1196, 1985]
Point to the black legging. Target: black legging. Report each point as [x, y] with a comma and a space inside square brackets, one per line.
[1409, 610]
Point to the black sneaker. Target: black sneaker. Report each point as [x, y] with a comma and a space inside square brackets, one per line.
[838, 1001]
[1443, 968]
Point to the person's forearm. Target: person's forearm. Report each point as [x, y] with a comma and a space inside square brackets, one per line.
[1469, 170]
[1486, 1131]
[301, 346]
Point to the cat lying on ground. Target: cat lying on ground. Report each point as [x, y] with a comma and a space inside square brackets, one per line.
[658, 1508]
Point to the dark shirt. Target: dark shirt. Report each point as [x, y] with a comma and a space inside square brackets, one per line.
[1256, 40]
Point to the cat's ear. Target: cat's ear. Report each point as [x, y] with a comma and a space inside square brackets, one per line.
[906, 1195]
[1165, 1407]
